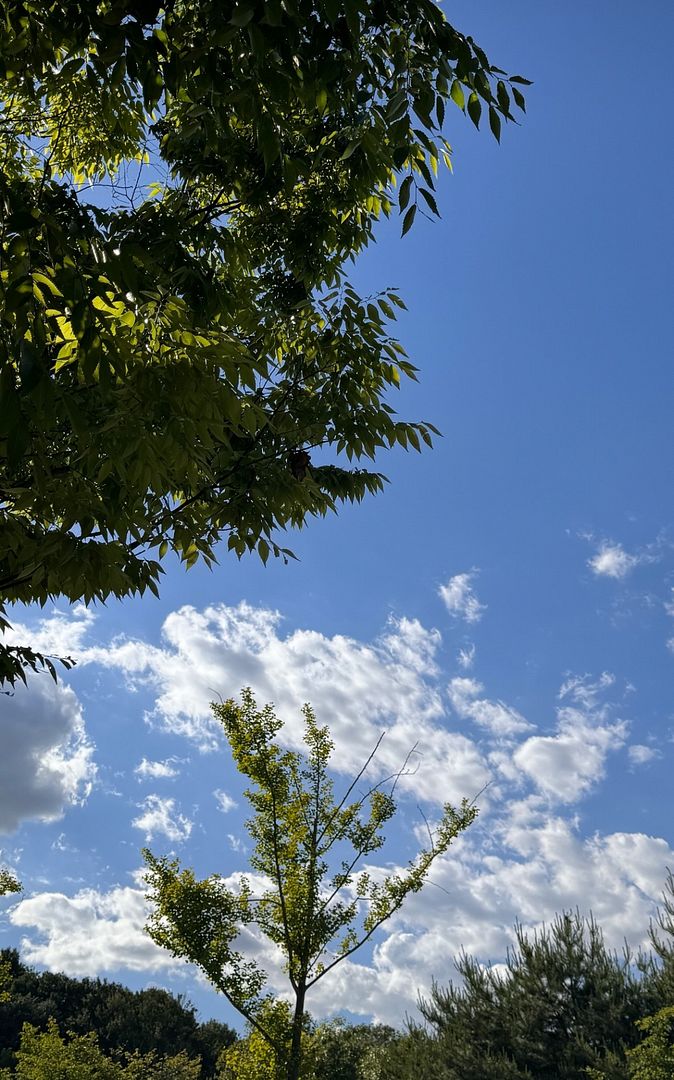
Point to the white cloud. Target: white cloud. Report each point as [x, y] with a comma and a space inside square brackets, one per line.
[225, 802]
[466, 657]
[157, 770]
[493, 715]
[565, 766]
[236, 843]
[525, 864]
[639, 754]
[159, 818]
[460, 599]
[89, 933]
[522, 859]
[358, 689]
[46, 763]
[57, 633]
[611, 560]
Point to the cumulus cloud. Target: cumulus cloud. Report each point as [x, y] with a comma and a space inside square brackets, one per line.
[611, 560]
[46, 763]
[89, 933]
[358, 689]
[567, 765]
[524, 858]
[459, 598]
[160, 818]
[527, 865]
[225, 802]
[157, 770]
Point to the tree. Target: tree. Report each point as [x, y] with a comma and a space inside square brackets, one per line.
[313, 902]
[566, 1005]
[351, 1051]
[181, 186]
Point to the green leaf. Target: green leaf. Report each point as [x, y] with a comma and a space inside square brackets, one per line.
[521, 80]
[519, 98]
[351, 148]
[457, 95]
[405, 189]
[408, 220]
[430, 200]
[243, 13]
[495, 123]
[268, 140]
[474, 109]
[31, 367]
[502, 97]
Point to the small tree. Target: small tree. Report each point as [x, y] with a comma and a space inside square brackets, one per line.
[254, 1057]
[316, 907]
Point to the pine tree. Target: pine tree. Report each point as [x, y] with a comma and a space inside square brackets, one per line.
[565, 1004]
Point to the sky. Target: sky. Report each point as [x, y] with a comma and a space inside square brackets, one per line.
[507, 604]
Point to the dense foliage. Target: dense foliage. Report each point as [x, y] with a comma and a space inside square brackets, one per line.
[142, 1021]
[313, 899]
[48, 1055]
[181, 185]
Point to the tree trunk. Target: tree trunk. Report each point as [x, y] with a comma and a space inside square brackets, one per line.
[295, 1058]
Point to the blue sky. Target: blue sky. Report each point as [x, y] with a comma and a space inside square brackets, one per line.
[530, 553]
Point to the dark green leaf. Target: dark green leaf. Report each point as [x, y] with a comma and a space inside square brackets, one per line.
[431, 201]
[405, 189]
[519, 99]
[408, 220]
[495, 123]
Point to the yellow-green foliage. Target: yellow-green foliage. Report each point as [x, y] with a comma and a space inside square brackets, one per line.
[653, 1058]
[47, 1055]
[254, 1058]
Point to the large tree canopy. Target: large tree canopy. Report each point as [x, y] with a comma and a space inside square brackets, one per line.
[181, 185]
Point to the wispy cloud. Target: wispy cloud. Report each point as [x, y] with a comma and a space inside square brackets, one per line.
[225, 802]
[157, 770]
[459, 597]
[640, 754]
[466, 657]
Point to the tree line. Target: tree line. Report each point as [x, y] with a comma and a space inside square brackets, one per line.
[563, 1007]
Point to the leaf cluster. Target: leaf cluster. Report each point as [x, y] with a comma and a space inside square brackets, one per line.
[181, 187]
